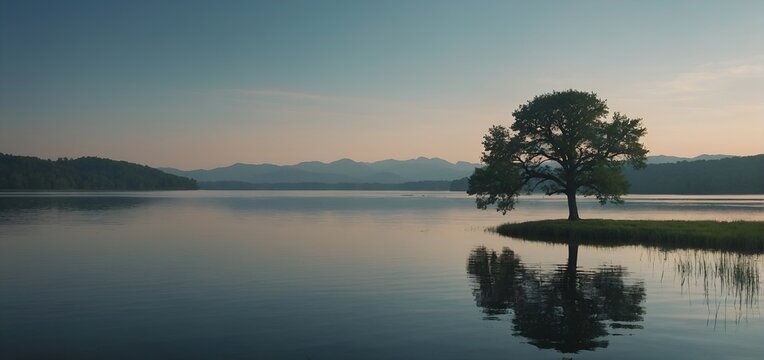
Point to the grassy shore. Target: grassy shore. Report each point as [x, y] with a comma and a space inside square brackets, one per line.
[742, 236]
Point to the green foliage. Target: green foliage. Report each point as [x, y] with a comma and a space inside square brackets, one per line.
[497, 181]
[86, 173]
[741, 236]
[562, 143]
[611, 181]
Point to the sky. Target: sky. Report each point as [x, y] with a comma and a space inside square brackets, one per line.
[202, 84]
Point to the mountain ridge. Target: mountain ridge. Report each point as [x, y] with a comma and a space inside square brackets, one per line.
[670, 159]
[340, 171]
[729, 176]
[347, 170]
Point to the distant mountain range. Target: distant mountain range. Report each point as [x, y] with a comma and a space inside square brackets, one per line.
[705, 174]
[347, 171]
[668, 159]
[340, 171]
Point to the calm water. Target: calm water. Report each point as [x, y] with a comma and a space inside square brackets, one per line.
[331, 275]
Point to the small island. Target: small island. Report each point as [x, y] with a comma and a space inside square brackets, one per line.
[564, 143]
[739, 236]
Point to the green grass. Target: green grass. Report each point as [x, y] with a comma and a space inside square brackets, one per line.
[739, 236]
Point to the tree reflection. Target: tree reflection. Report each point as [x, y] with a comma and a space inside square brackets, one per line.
[565, 309]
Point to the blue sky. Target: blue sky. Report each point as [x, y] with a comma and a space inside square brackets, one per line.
[208, 83]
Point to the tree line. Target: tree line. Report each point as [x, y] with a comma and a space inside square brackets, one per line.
[730, 176]
[85, 173]
[737, 175]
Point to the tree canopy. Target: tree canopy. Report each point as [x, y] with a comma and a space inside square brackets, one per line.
[561, 143]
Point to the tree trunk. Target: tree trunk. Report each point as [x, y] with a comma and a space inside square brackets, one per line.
[572, 267]
[572, 207]
[572, 257]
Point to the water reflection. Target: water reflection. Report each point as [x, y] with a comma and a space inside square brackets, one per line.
[13, 204]
[569, 309]
[566, 309]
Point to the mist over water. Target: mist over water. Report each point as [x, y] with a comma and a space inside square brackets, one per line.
[345, 274]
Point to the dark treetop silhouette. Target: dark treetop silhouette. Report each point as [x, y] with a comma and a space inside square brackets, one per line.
[563, 143]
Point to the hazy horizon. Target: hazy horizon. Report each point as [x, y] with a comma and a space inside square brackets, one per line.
[199, 85]
[399, 159]
[233, 162]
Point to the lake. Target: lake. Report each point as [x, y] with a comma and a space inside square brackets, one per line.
[360, 275]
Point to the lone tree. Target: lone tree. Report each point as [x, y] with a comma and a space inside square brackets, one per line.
[561, 143]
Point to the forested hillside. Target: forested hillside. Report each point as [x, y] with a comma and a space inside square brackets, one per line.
[86, 173]
[732, 175]
[736, 175]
